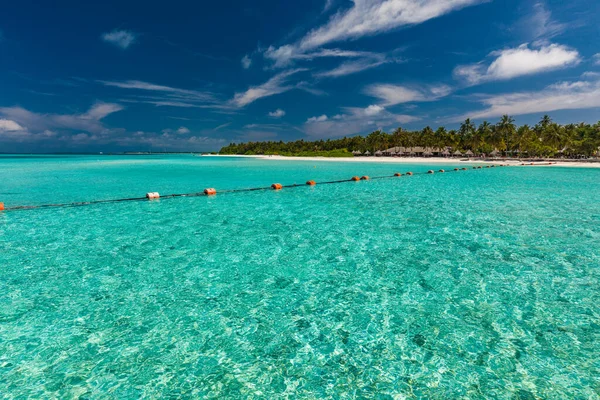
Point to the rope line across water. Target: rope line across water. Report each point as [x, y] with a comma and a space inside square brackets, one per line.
[199, 194]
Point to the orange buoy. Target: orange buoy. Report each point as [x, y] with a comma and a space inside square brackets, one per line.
[397, 174]
[364, 178]
[441, 170]
[152, 196]
[409, 173]
[1, 206]
[355, 178]
[430, 171]
[210, 191]
[464, 169]
[311, 183]
[277, 186]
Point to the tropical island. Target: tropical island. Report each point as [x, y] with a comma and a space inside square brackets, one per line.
[546, 139]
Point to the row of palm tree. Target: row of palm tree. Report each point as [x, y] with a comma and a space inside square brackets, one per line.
[545, 139]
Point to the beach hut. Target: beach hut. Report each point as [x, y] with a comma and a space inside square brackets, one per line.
[367, 153]
[446, 153]
[378, 153]
[457, 153]
[495, 153]
[469, 153]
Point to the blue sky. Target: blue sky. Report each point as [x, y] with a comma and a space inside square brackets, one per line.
[194, 76]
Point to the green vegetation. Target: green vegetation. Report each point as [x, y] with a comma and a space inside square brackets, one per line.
[545, 139]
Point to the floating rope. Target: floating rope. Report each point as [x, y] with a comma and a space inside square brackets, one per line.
[211, 191]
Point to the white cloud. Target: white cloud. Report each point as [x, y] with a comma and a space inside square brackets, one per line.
[277, 113]
[322, 118]
[101, 110]
[538, 23]
[120, 38]
[36, 122]
[182, 130]
[520, 61]
[371, 17]
[597, 59]
[328, 5]
[285, 55]
[560, 96]
[276, 85]
[373, 110]
[225, 125]
[6, 125]
[175, 93]
[354, 120]
[352, 67]
[246, 62]
[397, 94]
[366, 18]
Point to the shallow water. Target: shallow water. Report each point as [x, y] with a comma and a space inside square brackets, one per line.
[476, 284]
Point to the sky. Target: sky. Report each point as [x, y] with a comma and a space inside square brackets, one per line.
[194, 76]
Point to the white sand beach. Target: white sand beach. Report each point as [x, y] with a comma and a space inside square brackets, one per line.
[425, 161]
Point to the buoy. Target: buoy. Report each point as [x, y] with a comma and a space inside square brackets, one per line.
[277, 186]
[152, 195]
[364, 178]
[430, 171]
[479, 167]
[441, 170]
[311, 183]
[493, 166]
[464, 169]
[210, 191]
[1, 206]
[355, 178]
[456, 169]
[409, 173]
[487, 166]
[397, 174]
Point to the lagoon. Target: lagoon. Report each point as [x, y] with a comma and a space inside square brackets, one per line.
[477, 284]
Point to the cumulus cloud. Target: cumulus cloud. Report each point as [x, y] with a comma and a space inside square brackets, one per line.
[520, 61]
[246, 62]
[6, 125]
[277, 113]
[36, 122]
[597, 59]
[321, 118]
[276, 85]
[561, 96]
[182, 130]
[120, 38]
[398, 94]
[354, 120]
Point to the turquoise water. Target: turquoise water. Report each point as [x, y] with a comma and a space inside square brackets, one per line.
[478, 284]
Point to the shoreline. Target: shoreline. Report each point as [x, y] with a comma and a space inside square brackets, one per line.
[419, 160]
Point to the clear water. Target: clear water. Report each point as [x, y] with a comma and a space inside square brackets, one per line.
[478, 284]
